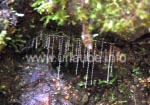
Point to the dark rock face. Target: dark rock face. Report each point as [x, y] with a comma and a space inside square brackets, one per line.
[40, 86]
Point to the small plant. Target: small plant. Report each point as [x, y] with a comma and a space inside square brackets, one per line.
[136, 71]
[107, 83]
[81, 84]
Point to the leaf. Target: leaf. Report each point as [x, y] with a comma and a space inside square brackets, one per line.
[110, 25]
[81, 84]
[113, 80]
[48, 18]
[8, 38]
[99, 6]
[73, 22]
[3, 86]
[32, 26]
[93, 16]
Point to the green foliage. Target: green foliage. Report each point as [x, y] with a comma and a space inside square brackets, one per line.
[100, 82]
[2, 86]
[136, 71]
[49, 9]
[107, 83]
[18, 43]
[3, 39]
[81, 83]
[112, 15]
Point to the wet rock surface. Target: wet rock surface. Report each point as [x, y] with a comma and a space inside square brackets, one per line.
[40, 86]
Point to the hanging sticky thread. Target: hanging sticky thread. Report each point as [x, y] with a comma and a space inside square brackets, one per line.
[47, 56]
[84, 57]
[93, 62]
[77, 46]
[76, 49]
[53, 40]
[36, 42]
[101, 52]
[66, 48]
[59, 56]
[67, 45]
[49, 42]
[79, 49]
[32, 44]
[112, 58]
[105, 57]
[69, 41]
[72, 51]
[41, 36]
[88, 65]
[109, 60]
[47, 47]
